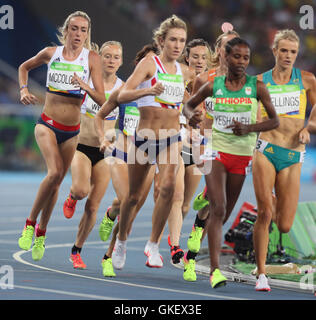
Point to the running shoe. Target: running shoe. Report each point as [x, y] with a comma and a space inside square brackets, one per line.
[106, 226]
[189, 269]
[38, 248]
[25, 241]
[154, 259]
[77, 261]
[217, 279]
[119, 254]
[200, 200]
[69, 207]
[194, 241]
[262, 283]
[107, 268]
[176, 254]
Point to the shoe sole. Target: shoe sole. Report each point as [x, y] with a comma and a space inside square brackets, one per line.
[38, 258]
[189, 280]
[25, 248]
[176, 258]
[153, 266]
[81, 268]
[219, 284]
[264, 290]
[150, 266]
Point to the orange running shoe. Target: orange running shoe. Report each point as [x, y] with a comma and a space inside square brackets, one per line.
[77, 261]
[69, 207]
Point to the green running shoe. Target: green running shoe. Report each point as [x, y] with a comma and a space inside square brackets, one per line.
[217, 279]
[106, 227]
[38, 248]
[200, 201]
[194, 241]
[189, 269]
[107, 268]
[25, 241]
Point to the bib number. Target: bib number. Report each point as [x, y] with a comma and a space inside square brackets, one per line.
[130, 120]
[173, 89]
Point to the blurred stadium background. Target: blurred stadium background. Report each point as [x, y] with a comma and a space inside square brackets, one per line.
[131, 22]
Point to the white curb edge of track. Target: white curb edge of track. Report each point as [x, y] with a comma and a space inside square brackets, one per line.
[237, 276]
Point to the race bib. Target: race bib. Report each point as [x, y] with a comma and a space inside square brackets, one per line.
[209, 106]
[224, 116]
[60, 75]
[131, 119]
[285, 98]
[114, 113]
[173, 89]
[91, 108]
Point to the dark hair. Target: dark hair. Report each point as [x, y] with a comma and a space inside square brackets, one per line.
[143, 52]
[195, 43]
[234, 42]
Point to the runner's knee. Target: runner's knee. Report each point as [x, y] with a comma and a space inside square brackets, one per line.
[218, 209]
[284, 226]
[264, 216]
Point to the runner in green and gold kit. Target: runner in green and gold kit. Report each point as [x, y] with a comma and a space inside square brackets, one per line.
[234, 138]
[280, 152]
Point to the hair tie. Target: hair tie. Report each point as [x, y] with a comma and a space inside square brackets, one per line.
[227, 26]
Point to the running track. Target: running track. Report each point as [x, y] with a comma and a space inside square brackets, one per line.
[53, 278]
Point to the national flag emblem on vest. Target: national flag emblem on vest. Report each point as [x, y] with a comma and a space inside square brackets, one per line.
[248, 91]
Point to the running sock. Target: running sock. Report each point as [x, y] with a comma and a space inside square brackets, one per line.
[198, 222]
[191, 255]
[40, 232]
[106, 257]
[71, 196]
[108, 214]
[30, 223]
[75, 249]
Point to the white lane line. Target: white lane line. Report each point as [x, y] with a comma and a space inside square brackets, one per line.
[68, 293]
[17, 256]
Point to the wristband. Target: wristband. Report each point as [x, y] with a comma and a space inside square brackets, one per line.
[24, 86]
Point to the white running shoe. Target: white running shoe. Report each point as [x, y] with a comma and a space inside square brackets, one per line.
[152, 252]
[262, 283]
[119, 254]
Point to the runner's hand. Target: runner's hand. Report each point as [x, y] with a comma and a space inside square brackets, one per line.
[238, 128]
[27, 98]
[157, 89]
[106, 146]
[304, 136]
[76, 80]
[195, 118]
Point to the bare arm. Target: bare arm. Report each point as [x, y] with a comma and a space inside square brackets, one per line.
[200, 80]
[43, 57]
[105, 110]
[309, 82]
[95, 64]
[311, 124]
[273, 122]
[143, 71]
[195, 116]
